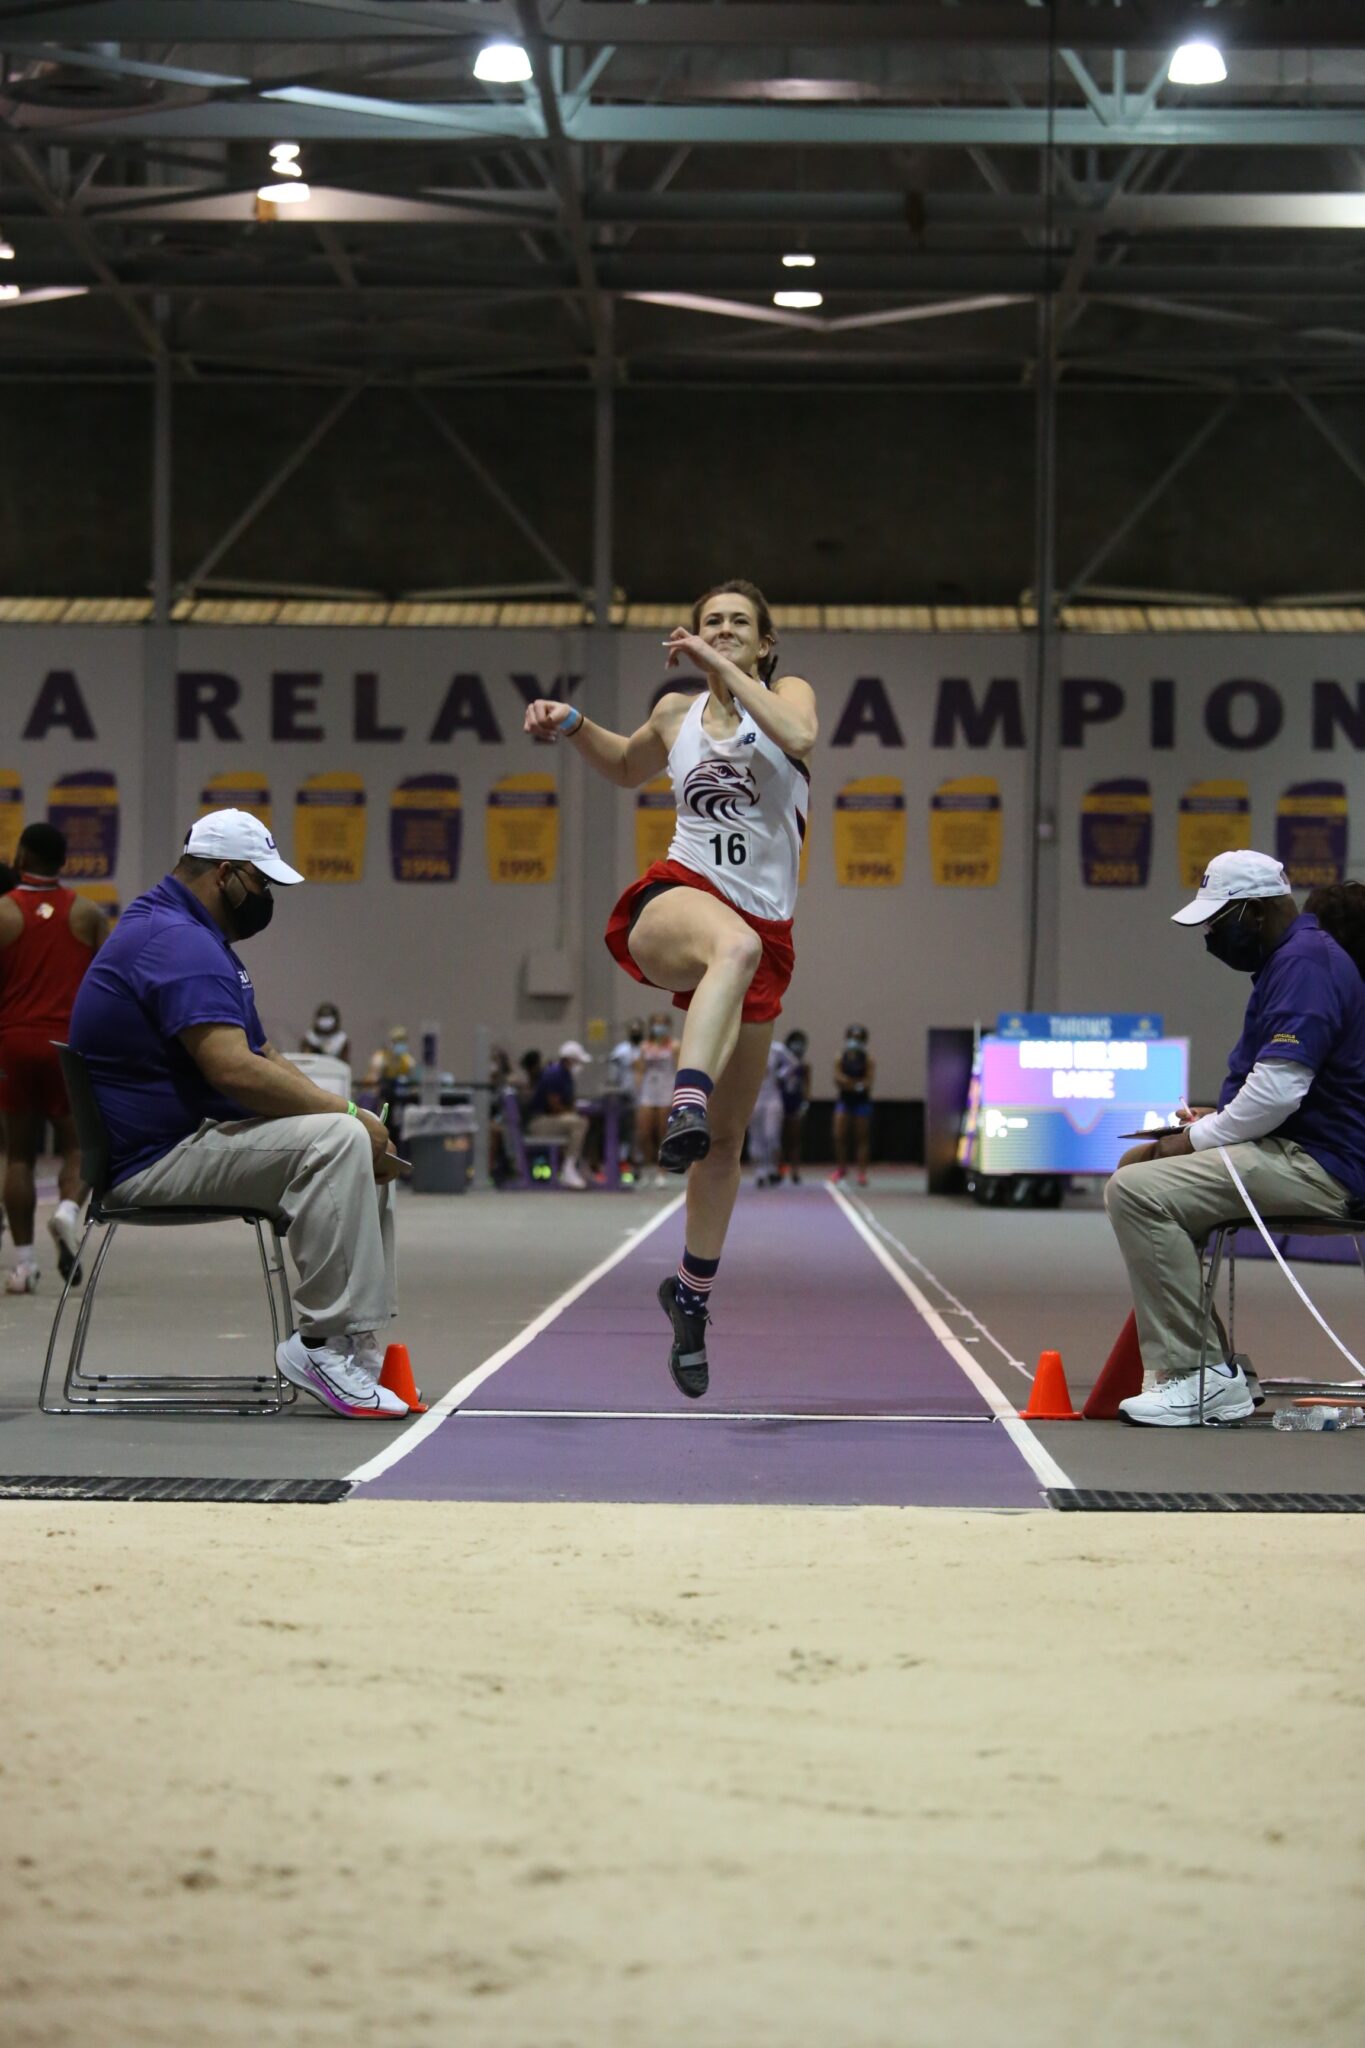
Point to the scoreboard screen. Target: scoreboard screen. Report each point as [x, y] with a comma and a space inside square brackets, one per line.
[1058, 1105]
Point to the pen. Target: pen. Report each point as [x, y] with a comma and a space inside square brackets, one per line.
[384, 1113]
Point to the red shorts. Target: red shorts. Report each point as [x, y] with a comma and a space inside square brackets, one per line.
[30, 1077]
[764, 999]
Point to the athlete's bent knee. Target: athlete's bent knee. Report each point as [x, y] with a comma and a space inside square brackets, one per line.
[739, 953]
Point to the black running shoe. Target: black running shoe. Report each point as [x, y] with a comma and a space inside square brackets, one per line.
[687, 1359]
[687, 1138]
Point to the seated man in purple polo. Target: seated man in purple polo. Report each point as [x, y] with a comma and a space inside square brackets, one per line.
[551, 1112]
[202, 1111]
[1290, 1117]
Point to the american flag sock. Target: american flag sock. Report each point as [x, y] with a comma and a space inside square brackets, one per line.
[694, 1282]
[691, 1090]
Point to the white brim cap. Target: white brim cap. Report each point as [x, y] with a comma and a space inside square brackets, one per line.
[238, 835]
[1236, 877]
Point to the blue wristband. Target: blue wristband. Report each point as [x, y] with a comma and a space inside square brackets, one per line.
[572, 722]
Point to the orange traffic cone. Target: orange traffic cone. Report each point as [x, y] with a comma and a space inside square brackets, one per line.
[1050, 1400]
[1122, 1376]
[397, 1377]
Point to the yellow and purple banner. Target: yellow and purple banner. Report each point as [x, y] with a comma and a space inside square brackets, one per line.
[521, 829]
[1116, 834]
[238, 789]
[1215, 817]
[966, 833]
[869, 833]
[655, 817]
[329, 827]
[84, 807]
[11, 814]
[425, 822]
[1312, 824]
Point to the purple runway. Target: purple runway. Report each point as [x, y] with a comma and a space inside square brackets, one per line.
[827, 1388]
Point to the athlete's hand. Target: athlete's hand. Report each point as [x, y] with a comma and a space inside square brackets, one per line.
[544, 718]
[680, 642]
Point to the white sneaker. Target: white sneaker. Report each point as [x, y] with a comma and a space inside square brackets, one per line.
[22, 1279]
[1174, 1404]
[367, 1354]
[66, 1235]
[570, 1177]
[337, 1381]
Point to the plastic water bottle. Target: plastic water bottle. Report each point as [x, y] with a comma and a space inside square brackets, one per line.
[1319, 1418]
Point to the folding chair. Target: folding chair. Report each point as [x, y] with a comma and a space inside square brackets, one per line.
[153, 1393]
[1222, 1242]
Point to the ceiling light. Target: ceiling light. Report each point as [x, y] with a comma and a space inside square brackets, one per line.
[796, 262]
[288, 186]
[285, 194]
[798, 302]
[1197, 64]
[284, 152]
[6, 251]
[9, 291]
[502, 64]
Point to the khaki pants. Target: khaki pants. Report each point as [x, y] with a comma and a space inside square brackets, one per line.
[571, 1127]
[313, 1174]
[1163, 1210]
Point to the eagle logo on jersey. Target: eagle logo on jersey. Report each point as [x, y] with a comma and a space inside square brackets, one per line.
[719, 792]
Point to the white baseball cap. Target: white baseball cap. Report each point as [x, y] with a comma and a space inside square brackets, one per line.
[236, 835]
[1231, 878]
[572, 1050]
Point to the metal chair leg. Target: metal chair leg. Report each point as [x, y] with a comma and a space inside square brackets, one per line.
[1206, 1299]
[56, 1325]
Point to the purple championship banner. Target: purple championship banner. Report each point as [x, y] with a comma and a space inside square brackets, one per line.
[1064, 1105]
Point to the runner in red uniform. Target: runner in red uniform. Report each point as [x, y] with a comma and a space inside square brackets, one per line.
[712, 923]
[48, 937]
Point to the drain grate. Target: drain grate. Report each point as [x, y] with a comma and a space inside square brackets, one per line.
[272, 1492]
[1082, 1500]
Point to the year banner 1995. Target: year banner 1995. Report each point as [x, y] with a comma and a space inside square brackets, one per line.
[84, 807]
[1312, 825]
[238, 789]
[425, 824]
[522, 829]
[1116, 834]
[329, 827]
[966, 833]
[655, 817]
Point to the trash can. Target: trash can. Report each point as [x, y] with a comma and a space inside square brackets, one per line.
[440, 1144]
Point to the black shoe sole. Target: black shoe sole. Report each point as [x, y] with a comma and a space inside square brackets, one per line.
[692, 1380]
[684, 1148]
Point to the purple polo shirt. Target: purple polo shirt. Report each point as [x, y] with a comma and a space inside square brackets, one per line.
[166, 966]
[1308, 1005]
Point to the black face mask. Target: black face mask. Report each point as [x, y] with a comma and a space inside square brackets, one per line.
[251, 915]
[1238, 944]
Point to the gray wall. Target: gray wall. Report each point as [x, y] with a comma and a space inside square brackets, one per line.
[832, 497]
[900, 959]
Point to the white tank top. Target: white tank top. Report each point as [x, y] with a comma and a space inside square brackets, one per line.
[742, 807]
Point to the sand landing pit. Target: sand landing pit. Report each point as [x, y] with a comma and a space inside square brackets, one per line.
[637, 1777]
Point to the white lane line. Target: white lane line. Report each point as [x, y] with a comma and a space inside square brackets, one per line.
[1018, 1431]
[958, 1308]
[699, 1415]
[408, 1440]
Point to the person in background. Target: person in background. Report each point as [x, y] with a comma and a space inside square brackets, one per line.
[532, 1067]
[48, 937]
[1339, 908]
[393, 1073]
[203, 1112]
[327, 1036]
[656, 1068]
[765, 1125]
[855, 1075]
[795, 1100]
[622, 1063]
[551, 1112]
[9, 878]
[1290, 1116]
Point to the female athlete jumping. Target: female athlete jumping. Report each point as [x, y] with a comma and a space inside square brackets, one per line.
[712, 923]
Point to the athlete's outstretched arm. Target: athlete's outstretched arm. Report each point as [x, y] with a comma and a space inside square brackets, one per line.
[625, 759]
